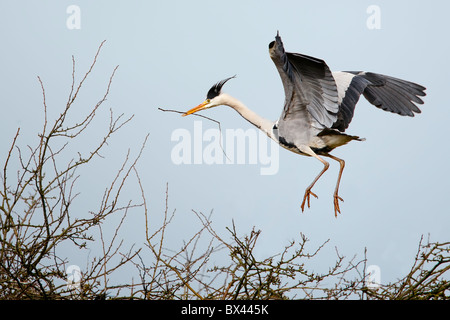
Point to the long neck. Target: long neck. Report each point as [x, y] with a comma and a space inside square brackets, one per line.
[252, 117]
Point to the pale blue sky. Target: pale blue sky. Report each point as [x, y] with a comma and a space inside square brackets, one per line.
[395, 185]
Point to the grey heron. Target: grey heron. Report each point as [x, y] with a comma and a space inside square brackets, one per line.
[319, 106]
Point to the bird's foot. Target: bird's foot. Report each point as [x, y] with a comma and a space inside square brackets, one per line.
[336, 204]
[306, 197]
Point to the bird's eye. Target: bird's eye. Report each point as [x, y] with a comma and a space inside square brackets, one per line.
[208, 100]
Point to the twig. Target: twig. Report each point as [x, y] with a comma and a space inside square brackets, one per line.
[210, 119]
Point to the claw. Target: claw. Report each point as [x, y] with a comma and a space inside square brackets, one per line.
[336, 204]
[306, 197]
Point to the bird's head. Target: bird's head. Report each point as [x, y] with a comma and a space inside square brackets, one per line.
[213, 98]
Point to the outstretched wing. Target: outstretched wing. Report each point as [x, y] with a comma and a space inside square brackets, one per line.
[308, 84]
[385, 92]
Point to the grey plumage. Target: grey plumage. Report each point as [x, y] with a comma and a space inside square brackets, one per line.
[318, 99]
[385, 92]
[392, 94]
[308, 83]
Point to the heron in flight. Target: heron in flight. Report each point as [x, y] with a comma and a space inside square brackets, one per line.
[319, 106]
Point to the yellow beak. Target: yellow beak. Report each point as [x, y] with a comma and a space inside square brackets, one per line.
[197, 108]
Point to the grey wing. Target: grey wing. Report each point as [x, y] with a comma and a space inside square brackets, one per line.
[308, 84]
[385, 92]
[393, 94]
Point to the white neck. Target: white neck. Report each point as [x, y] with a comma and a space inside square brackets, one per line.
[258, 121]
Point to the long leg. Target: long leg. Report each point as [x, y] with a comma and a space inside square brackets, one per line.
[308, 191]
[336, 190]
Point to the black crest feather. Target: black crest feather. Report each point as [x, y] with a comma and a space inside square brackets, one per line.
[215, 90]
